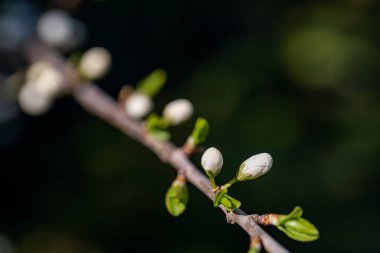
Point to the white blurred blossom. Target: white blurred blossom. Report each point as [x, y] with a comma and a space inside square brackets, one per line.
[45, 77]
[178, 111]
[57, 29]
[32, 101]
[95, 63]
[138, 105]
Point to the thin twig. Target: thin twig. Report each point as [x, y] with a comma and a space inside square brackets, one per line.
[101, 105]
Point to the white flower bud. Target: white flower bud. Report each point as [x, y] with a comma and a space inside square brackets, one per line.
[212, 161]
[255, 167]
[178, 111]
[32, 101]
[45, 77]
[138, 105]
[35, 69]
[95, 63]
[55, 28]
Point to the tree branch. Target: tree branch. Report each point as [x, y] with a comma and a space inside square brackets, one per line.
[96, 102]
[101, 105]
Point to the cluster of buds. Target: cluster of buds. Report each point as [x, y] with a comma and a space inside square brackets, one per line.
[137, 103]
[252, 168]
[293, 225]
[44, 82]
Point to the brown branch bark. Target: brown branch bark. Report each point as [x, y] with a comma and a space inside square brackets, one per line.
[99, 104]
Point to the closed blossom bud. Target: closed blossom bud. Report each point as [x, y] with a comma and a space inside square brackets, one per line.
[45, 77]
[55, 28]
[32, 101]
[138, 105]
[255, 167]
[212, 162]
[178, 111]
[95, 63]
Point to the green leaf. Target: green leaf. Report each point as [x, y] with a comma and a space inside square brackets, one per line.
[176, 198]
[219, 196]
[300, 230]
[295, 214]
[200, 131]
[156, 126]
[153, 83]
[296, 227]
[161, 135]
[230, 203]
[156, 122]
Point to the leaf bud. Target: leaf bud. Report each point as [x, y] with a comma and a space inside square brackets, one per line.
[177, 197]
[296, 227]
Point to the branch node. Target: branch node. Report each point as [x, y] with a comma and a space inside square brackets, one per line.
[230, 217]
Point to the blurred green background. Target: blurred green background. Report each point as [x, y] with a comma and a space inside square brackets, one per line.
[296, 79]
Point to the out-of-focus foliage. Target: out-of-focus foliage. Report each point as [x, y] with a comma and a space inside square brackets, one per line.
[296, 79]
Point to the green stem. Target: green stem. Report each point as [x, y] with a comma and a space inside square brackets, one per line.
[230, 183]
[212, 181]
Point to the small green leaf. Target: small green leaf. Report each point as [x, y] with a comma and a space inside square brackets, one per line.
[200, 131]
[156, 126]
[300, 230]
[219, 196]
[153, 83]
[296, 227]
[154, 121]
[295, 214]
[177, 198]
[161, 135]
[230, 203]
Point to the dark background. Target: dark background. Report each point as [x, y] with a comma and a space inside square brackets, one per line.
[296, 79]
